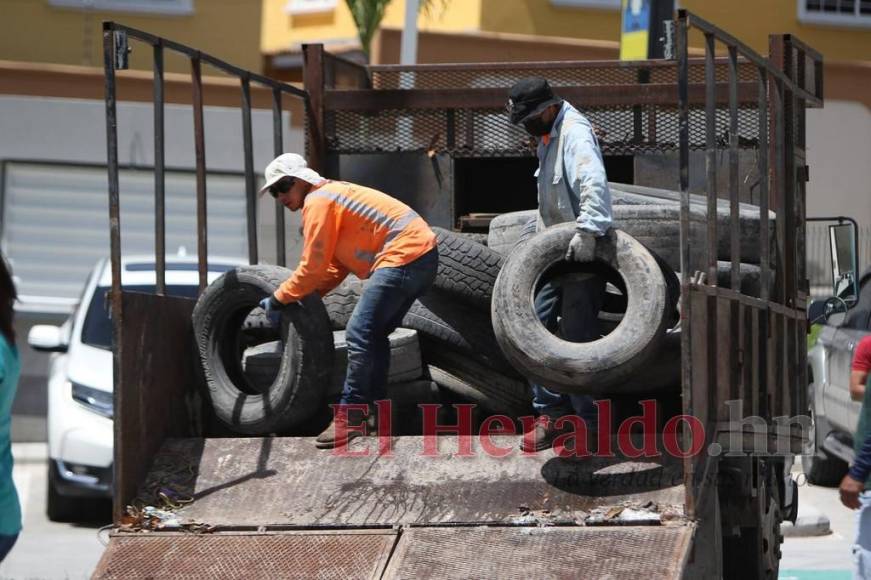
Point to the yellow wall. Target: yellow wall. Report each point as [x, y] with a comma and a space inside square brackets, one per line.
[541, 17]
[282, 31]
[34, 31]
[749, 20]
[752, 21]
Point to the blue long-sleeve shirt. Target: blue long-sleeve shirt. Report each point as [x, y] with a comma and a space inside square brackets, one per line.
[572, 185]
[861, 467]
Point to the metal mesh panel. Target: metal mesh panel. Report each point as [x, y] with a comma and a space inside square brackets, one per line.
[606, 74]
[622, 130]
[487, 132]
[304, 556]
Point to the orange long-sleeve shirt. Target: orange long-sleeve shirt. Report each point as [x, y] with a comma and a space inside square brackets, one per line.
[351, 228]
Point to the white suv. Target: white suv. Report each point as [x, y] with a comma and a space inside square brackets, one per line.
[80, 434]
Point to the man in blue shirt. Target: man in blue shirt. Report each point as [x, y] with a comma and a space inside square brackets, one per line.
[572, 187]
[854, 484]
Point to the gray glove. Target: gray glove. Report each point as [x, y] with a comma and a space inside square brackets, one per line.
[582, 248]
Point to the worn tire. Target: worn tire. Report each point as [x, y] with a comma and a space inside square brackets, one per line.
[467, 270]
[340, 302]
[261, 363]
[584, 368]
[505, 229]
[455, 326]
[485, 386]
[297, 391]
[477, 237]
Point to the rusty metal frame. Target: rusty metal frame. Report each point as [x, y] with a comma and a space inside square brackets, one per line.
[728, 333]
[171, 376]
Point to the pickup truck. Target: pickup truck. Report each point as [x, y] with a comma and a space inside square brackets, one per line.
[834, 414]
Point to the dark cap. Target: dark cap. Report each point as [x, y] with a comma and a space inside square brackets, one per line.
[529, 97]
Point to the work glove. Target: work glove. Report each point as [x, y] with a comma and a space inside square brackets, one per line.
[582, 248]
[273, 309]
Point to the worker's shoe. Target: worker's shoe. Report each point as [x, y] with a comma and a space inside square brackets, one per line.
[542, 435]
[346, 426]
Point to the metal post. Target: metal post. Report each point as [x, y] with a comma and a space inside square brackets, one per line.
[159, 175]
[735, 233]
[686, 340]
[711, 156]
[250, 183]
[313, 74]
[278, 149]
[764, 179]
[200, 145]
[114, 240]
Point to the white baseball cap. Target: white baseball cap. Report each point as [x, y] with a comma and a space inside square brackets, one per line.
[289, 165]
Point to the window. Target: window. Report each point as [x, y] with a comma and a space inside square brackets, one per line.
[298, 7]
[835, 12]
[169, 7]
[601, 4]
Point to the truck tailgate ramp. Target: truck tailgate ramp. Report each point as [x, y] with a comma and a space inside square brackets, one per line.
[322, 554]
[542, 553]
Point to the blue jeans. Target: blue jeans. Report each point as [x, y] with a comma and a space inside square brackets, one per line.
[579, 301]
[388, 295]
[862, 545]
[6, 543]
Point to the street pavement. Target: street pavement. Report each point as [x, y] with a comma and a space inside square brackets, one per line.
[826, 557]
[48, 550]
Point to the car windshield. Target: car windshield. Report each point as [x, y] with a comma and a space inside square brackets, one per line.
[97, 330]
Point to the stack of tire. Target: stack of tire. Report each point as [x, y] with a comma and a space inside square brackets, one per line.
[475, 333]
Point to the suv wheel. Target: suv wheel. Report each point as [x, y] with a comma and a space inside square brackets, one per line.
[819, 467]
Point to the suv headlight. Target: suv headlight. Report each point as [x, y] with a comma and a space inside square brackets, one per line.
[99, 402]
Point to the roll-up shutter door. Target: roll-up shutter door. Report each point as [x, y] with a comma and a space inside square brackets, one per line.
[56, 223]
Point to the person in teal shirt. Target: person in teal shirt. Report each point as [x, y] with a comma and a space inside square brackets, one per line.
[10, 369]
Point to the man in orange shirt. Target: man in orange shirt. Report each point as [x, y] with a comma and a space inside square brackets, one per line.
[349, 228]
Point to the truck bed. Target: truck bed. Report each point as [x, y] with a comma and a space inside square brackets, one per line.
[277, 507]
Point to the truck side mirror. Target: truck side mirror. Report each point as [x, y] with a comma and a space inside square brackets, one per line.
[842, 238]
[835, 311]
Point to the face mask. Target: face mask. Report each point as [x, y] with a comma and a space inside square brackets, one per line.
[537, 127]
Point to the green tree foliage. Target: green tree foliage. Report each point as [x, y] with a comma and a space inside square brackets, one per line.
[368, 15]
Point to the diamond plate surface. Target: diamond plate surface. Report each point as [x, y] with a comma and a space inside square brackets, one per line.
[303, 555]
[543, 553]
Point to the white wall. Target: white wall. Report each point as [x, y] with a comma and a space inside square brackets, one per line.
[839, 157]
[74, 130]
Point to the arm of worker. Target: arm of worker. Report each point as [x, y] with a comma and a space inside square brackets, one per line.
[860, 369]
[333, 277]
[585, 172]
[854, 482]
[320, 232]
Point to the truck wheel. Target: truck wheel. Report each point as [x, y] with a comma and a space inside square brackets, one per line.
[467, 270]
[306, 361]
[585, 368]
[506, 228]
[755, 553]
[819, 467]
[487, 387]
